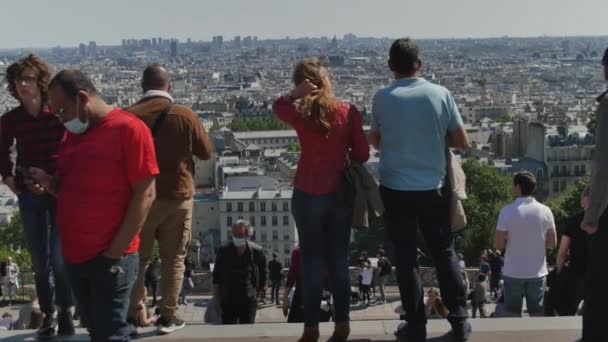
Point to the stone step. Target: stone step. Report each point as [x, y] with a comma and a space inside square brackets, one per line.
[538, 329]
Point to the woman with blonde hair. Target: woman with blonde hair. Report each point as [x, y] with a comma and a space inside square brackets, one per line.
[330, 133]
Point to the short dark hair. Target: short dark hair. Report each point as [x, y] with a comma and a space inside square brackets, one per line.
[404, 56]
[381, 252]
[155, 77]
[72, 81]
[526, 182]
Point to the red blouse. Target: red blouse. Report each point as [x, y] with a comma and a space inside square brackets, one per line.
[323, 157]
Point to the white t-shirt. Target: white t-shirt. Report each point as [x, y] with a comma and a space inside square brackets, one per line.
[526, 222]
[367, 276]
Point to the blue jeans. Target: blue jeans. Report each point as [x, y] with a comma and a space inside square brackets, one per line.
[103, 287]
[324, 232]
[532, 289]
[38, 214]
[274, 291]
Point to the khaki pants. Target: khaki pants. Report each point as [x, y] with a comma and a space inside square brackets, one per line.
[170, 223]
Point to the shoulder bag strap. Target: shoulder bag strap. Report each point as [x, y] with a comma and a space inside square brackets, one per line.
[161, 118]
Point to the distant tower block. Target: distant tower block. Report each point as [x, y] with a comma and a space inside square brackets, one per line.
[482, 82]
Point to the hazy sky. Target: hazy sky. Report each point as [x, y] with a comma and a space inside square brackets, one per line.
[43, 23]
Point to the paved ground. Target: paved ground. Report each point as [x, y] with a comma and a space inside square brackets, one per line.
[270, 313]
[194, 312]
[376, 322]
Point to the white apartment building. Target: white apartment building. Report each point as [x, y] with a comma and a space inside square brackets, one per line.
[268, 212]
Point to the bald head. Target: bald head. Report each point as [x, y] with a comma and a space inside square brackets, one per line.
[156, 77]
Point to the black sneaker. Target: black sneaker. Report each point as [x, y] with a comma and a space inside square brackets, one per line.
[132, 327]
[168, 326]
[48, 330]
[65, 322]
[405, 333]
[461, 332]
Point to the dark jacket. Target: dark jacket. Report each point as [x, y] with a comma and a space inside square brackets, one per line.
[275, 270]
[598, 199]
[227, 260]
[366, 200]
[180, 137]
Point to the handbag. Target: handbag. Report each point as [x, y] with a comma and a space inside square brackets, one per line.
[346, 194]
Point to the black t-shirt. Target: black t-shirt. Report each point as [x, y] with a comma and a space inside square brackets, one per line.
[384, 264]
[276, 270]
[496, 264]
[152, 272]
[578, 244]
[189, 268]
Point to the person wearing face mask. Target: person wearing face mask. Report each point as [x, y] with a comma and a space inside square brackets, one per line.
[105, 187]
[38, 134]
[238, 276]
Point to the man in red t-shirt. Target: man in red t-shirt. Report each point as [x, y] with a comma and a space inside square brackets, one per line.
[104, 186]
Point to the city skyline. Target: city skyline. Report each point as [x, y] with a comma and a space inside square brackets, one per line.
[71, 21]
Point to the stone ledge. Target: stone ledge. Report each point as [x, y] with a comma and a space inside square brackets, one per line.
[550, 329]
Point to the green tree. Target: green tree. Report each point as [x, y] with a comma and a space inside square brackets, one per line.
[488, 191]
[504, 118]
[11, 235]
[567, 204]
[293, 147]
[370, 240]
[269, 124]
[12, 242]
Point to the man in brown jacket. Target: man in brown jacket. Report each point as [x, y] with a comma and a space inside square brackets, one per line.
[178, 136]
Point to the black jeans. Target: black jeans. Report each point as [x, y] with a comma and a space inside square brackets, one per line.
[152, 285]
[495, 282]
[405, 212]
[596, 297]
[102, 288]
[239, 311]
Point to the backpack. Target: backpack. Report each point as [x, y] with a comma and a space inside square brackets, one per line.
[387, 270]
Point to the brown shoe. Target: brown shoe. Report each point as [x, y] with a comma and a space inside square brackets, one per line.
[341, 332]
[310, 335]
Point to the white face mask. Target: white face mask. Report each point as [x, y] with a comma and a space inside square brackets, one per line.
[76, 126]
[239, 242]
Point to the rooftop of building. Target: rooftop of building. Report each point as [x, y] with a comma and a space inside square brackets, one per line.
[255, 194]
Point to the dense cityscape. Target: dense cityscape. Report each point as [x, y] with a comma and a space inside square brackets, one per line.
[527, 104]
[214, 197]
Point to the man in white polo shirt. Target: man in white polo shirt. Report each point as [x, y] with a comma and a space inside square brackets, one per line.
[526, 229]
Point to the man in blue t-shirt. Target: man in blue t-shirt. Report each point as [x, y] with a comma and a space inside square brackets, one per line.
[413, 120]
